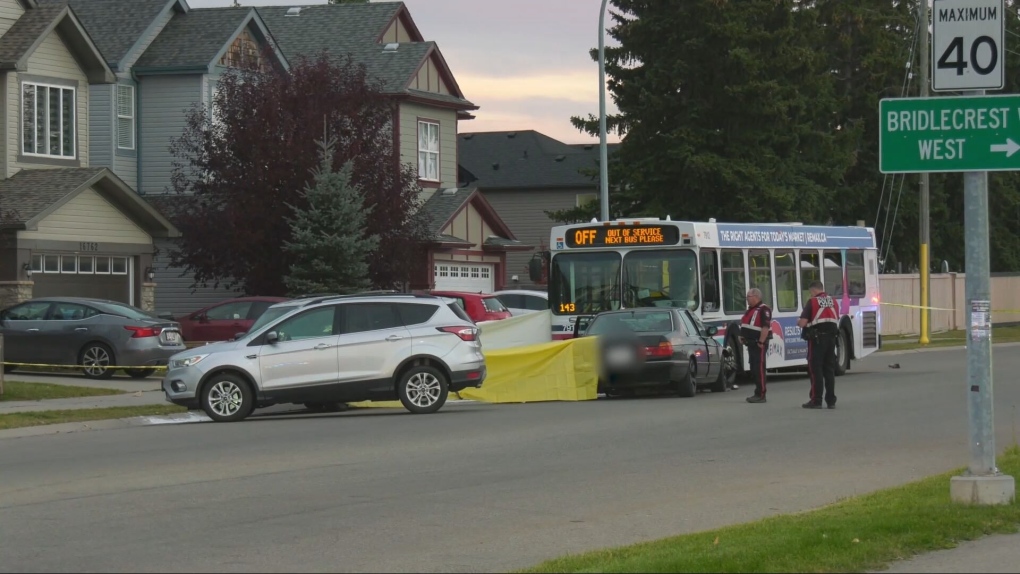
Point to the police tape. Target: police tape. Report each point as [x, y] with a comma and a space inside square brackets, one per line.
[82, 367]
[1007, 311]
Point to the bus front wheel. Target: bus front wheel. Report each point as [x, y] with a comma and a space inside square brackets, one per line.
[842, 353]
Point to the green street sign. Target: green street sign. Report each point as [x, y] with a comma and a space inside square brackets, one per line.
[942, 134]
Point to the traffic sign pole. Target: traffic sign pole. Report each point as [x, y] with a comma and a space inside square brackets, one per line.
[923, 218]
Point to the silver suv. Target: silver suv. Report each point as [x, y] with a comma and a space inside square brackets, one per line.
[328, 350]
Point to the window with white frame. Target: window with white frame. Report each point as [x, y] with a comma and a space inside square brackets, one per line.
[428, 151]
[125, 117]
[48, 120]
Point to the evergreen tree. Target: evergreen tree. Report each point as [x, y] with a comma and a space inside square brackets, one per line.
[329, 246]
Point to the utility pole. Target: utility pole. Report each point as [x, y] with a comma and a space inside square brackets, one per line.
[923, 221]
[603, 154]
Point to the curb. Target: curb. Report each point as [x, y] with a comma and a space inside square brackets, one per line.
[102, 424]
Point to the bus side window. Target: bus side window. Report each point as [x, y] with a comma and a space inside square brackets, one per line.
[809, 265]
[760, 265]
[855, 283]
[734, 282]
[833, 273]
[710, 279]
[786, 281]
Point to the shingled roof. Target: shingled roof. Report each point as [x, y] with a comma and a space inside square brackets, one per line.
[21, 39]
[355, 29]
[444, 204]
[115, 25]
[192, 40]
[525, 160]
[32, 194]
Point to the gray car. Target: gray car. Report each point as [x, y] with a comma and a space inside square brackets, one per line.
[329, 350]
[95, 333]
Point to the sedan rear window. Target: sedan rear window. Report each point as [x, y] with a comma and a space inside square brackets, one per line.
[493, 304]
[655, 322]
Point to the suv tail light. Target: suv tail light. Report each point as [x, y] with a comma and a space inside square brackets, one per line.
[141, 332]
[663, 350]
[465, 333]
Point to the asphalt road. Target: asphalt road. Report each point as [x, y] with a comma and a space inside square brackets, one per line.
[475, 487]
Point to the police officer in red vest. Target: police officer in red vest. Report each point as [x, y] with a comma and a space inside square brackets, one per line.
[755, 332]
[820, 322]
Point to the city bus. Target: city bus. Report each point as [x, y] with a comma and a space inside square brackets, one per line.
[707, 267]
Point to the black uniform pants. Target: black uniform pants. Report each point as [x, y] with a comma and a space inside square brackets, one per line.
[822, 368]
[756, 356]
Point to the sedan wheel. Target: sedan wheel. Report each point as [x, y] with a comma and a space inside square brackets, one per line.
[96, 359]
[423, 390]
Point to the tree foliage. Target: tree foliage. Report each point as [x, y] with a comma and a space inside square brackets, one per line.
[330, 246]
[767, 110]
[237, 170]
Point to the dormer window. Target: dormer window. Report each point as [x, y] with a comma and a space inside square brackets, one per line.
[48, 126]
[243, 53]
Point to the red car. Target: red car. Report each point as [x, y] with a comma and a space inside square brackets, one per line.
[224, 320]
[479, 306]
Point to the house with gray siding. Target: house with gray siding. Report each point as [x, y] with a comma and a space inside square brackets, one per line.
[67, 225]
[167, 58]
[524, 174]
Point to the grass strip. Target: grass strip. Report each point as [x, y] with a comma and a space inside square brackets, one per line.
[1009, 334]
[21, 391]
[854, 535]
[38, 418]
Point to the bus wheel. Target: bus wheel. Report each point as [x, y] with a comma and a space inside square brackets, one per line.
[842, 353]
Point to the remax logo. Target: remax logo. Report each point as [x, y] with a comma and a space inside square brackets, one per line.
[777, 329]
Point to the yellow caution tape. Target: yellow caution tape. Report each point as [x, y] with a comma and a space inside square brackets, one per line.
[1012, 311]
[80, 367]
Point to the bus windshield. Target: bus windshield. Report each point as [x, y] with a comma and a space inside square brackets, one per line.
[584, 283]
[661, 278]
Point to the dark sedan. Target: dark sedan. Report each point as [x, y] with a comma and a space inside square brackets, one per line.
[668, 349]
[93, 333]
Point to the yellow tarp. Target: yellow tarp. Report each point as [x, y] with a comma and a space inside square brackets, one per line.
[554, 371]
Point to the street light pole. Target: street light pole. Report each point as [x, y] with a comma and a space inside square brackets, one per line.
[925, 224]
[603, 154]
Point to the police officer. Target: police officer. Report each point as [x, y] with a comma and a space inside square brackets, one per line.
[755, 332]
[820, 321]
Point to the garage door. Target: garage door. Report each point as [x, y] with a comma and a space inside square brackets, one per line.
[472, 277]
[81, 276]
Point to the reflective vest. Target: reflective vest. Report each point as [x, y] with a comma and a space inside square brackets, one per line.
[754, 320]
[824, 310]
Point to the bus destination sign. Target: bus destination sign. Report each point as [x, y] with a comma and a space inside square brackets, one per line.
[622, 235]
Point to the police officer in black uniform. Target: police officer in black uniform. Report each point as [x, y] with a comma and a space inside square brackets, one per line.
[755, 332]
[820, 322]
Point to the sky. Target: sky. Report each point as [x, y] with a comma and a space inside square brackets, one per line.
[525, 63]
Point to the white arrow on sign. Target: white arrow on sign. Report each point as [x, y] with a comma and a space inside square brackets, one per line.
[1010, 147]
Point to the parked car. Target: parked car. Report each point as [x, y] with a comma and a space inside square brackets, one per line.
[226, 319]
[479, 306]
[94, 333]
[324, 351]
[524, 301]
[658, 348]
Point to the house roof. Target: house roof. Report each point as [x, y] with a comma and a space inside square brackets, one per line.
[355, 29]
[22, 39]
[525, 160]
[31, 195]
[115, 25]
[445, 204]
[193, 40]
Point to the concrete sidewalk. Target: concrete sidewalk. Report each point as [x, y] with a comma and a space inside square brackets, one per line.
[998, 553]
[138, 392]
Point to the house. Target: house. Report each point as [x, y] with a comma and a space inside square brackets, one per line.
[523, 174]
[167, 58]
[68, 226]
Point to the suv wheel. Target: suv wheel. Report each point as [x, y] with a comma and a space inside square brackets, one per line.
[227, 398]
[423, 389]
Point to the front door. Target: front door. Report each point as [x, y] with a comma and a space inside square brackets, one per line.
[305, 353]
[222, 322]
[709, 356]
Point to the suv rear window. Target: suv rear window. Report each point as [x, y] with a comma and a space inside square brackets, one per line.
[493, 304]
[416, 313]
[460, 312]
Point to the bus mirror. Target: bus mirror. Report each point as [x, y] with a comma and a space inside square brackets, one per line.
[535, 269]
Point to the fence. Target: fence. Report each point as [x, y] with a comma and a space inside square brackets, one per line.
[947, 292]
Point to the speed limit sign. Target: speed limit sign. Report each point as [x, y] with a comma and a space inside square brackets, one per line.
[968, 45]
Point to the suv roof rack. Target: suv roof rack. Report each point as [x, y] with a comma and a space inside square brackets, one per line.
[380, 293]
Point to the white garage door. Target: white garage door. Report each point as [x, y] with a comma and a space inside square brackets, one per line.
[472, 277]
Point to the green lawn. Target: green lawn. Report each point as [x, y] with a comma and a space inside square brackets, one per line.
[20, 391]
[1010, 334]
[854, 535]
[37, 418]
